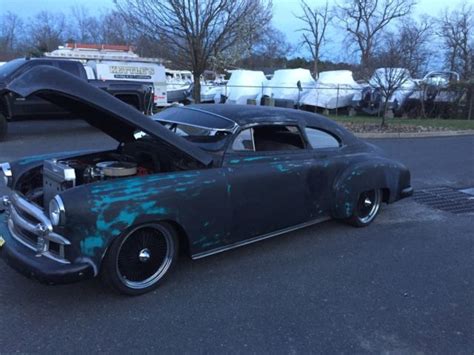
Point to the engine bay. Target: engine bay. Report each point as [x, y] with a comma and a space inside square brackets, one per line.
[42, 183]
[60, 175]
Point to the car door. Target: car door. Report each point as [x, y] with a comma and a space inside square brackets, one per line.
[328, 161]
[268, 189]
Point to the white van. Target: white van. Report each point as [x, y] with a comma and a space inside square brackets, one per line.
[133, 71]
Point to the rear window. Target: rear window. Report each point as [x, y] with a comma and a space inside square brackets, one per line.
[320, 139]
[269, 138]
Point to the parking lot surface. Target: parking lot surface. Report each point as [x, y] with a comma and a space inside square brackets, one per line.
[405, 284]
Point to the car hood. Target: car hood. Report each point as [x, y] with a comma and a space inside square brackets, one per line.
[100, 109]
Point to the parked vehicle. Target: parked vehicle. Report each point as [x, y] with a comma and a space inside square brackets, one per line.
[244, 85]
[333, 89]
[288, 86]
[136, 94]
[117, 62]
[371, 98]
[204, 178]
[133, 71]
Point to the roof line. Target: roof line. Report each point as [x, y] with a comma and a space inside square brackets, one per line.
[210, 113]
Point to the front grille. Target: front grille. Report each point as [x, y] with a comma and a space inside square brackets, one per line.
[29, 225]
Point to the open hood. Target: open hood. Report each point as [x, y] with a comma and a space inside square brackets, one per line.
[100, 109]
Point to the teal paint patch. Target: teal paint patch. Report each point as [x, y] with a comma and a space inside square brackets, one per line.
[348, 208]
[281, 168]
[89, 244]
[234, 161]
[254, 158]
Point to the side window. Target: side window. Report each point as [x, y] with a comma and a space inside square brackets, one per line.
[70, 67]
[269, 138]
[244, 141]
[320, 139]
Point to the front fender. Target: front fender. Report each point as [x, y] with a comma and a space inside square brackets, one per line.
[378, 173]
[98, 213]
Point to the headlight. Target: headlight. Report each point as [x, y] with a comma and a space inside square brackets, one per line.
[57, 212]
[6, 173]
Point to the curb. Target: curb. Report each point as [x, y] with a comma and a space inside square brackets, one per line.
[415, 134]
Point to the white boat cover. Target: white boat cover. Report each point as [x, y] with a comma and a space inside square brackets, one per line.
[333, 89]
[284, 84]
[244, 85]
[383, 76]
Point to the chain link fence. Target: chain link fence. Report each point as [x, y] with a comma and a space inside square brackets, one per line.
[455, 101]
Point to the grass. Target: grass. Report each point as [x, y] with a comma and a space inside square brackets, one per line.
[452, 124]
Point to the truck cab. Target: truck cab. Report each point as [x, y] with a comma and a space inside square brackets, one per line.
[12, 107]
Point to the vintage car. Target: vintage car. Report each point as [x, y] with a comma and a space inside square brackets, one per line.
[202, 179]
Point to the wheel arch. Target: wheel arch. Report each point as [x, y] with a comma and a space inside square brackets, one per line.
[359, 178]
[182, 235]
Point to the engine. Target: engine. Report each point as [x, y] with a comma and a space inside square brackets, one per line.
[61, 175]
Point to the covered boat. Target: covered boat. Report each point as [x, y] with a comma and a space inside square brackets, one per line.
[435, 87]
[371, 98]
[333, 89]
[178, 85]
[244, 85]
[289, 85]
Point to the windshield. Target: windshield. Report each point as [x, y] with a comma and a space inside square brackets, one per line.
[10, 67]
[206, 138]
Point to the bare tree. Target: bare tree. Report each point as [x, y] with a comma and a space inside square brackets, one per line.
[412, 43]
[365, 20]
[197, 30]
[257, 49]
[456, 30]
[315, 22]
[389, 80]
[84, 27]
[46, 31]
[11, 30]
[114, 29]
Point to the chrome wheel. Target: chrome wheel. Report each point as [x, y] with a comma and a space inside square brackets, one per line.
[368, 206]
[144, 256]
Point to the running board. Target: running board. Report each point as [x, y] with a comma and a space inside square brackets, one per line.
[258, 238]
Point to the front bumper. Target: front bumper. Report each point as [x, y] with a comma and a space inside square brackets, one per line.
[40, 268]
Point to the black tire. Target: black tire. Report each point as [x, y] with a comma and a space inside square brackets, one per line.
[3, 127]
[366, 209]
[138, 261]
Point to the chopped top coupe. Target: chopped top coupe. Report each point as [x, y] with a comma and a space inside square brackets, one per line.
[201, 178]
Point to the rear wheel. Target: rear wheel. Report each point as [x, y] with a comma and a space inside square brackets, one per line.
[368, 205]
[137, 262]
[3, 127]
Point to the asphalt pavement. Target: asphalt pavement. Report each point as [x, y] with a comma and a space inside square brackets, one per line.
[405, 284]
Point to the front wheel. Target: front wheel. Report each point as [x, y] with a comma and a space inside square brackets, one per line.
[137, 262]
[368, 205]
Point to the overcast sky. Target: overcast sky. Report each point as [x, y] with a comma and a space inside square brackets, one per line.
[283, 18]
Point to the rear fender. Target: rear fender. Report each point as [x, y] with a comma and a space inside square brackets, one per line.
[365, 176]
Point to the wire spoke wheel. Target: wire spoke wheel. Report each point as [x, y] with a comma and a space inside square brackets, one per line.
[144, 256]
[368, 205]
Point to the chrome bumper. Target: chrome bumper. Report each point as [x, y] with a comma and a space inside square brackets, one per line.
[28, 225]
